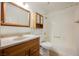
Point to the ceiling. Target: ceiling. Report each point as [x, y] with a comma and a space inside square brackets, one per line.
[53, 6]
[47, 7]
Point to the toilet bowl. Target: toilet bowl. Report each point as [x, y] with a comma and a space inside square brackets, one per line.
[44, 48]
[47, 49]
[46, 45]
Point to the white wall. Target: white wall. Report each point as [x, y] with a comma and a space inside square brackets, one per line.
[76, 28]
[63, 32]
[6, 30]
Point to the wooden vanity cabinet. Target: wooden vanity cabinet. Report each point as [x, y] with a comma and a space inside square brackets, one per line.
[28, 48]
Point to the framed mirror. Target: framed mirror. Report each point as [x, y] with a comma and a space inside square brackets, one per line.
[15, 15]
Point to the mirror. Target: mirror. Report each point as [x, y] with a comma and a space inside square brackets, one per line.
[16, 15]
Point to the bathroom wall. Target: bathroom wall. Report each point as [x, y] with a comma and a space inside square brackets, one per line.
[9, 30]
[63, 31]
[76, 28]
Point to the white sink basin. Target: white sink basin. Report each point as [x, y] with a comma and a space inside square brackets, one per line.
[24, 37]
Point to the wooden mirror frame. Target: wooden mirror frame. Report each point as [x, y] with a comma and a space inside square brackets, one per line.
[3, 16]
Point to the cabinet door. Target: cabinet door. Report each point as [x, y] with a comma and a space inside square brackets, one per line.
[0, 52]
[34, 50]
[17, 50]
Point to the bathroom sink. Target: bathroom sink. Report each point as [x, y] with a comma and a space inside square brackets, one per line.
[24, 37]
[21, 38]
[16, 39]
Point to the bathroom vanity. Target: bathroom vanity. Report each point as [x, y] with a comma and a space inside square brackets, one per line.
[25, 47]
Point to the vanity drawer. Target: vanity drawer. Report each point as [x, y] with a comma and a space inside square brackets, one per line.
[36, 40]
[15, 53]
[16, 47]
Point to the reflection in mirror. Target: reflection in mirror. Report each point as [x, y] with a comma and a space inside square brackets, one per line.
[39, 20]
[16, 15]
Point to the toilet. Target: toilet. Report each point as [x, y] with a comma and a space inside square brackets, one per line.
[45, 48]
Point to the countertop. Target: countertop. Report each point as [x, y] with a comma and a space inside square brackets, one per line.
[14, 40]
